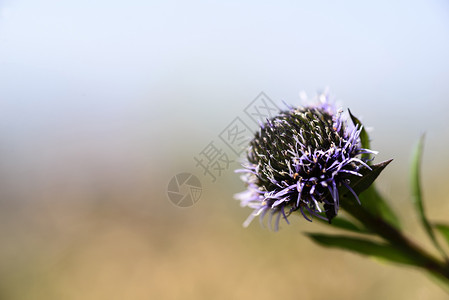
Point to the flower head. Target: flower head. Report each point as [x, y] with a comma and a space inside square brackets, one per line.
[299, 160]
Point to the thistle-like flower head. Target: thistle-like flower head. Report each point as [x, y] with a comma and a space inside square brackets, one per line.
[299, 160]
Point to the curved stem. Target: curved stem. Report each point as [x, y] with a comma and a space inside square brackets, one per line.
[398, 240]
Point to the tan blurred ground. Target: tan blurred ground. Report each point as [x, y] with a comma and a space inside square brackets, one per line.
[122, 239]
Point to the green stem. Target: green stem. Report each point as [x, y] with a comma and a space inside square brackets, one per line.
[398, 240]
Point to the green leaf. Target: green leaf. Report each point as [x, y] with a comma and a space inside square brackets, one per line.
[329, 211]
[359, 184]
[363, 246]
[345, 224]
[444, 230]
[364, 138]
[417, 193]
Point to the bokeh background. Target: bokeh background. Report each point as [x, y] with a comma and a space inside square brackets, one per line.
[102, 102]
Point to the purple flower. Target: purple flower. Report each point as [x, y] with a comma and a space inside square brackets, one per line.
[298, 161]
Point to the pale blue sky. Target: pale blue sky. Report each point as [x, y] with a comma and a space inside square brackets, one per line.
[153, 75]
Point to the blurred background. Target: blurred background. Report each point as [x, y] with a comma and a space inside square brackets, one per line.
[102, 102]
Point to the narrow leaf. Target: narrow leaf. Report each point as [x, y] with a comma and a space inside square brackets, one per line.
[329, 210]
[363, 246]
[444, 230]
[359, 184]
[417, 193]
[364, 138]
